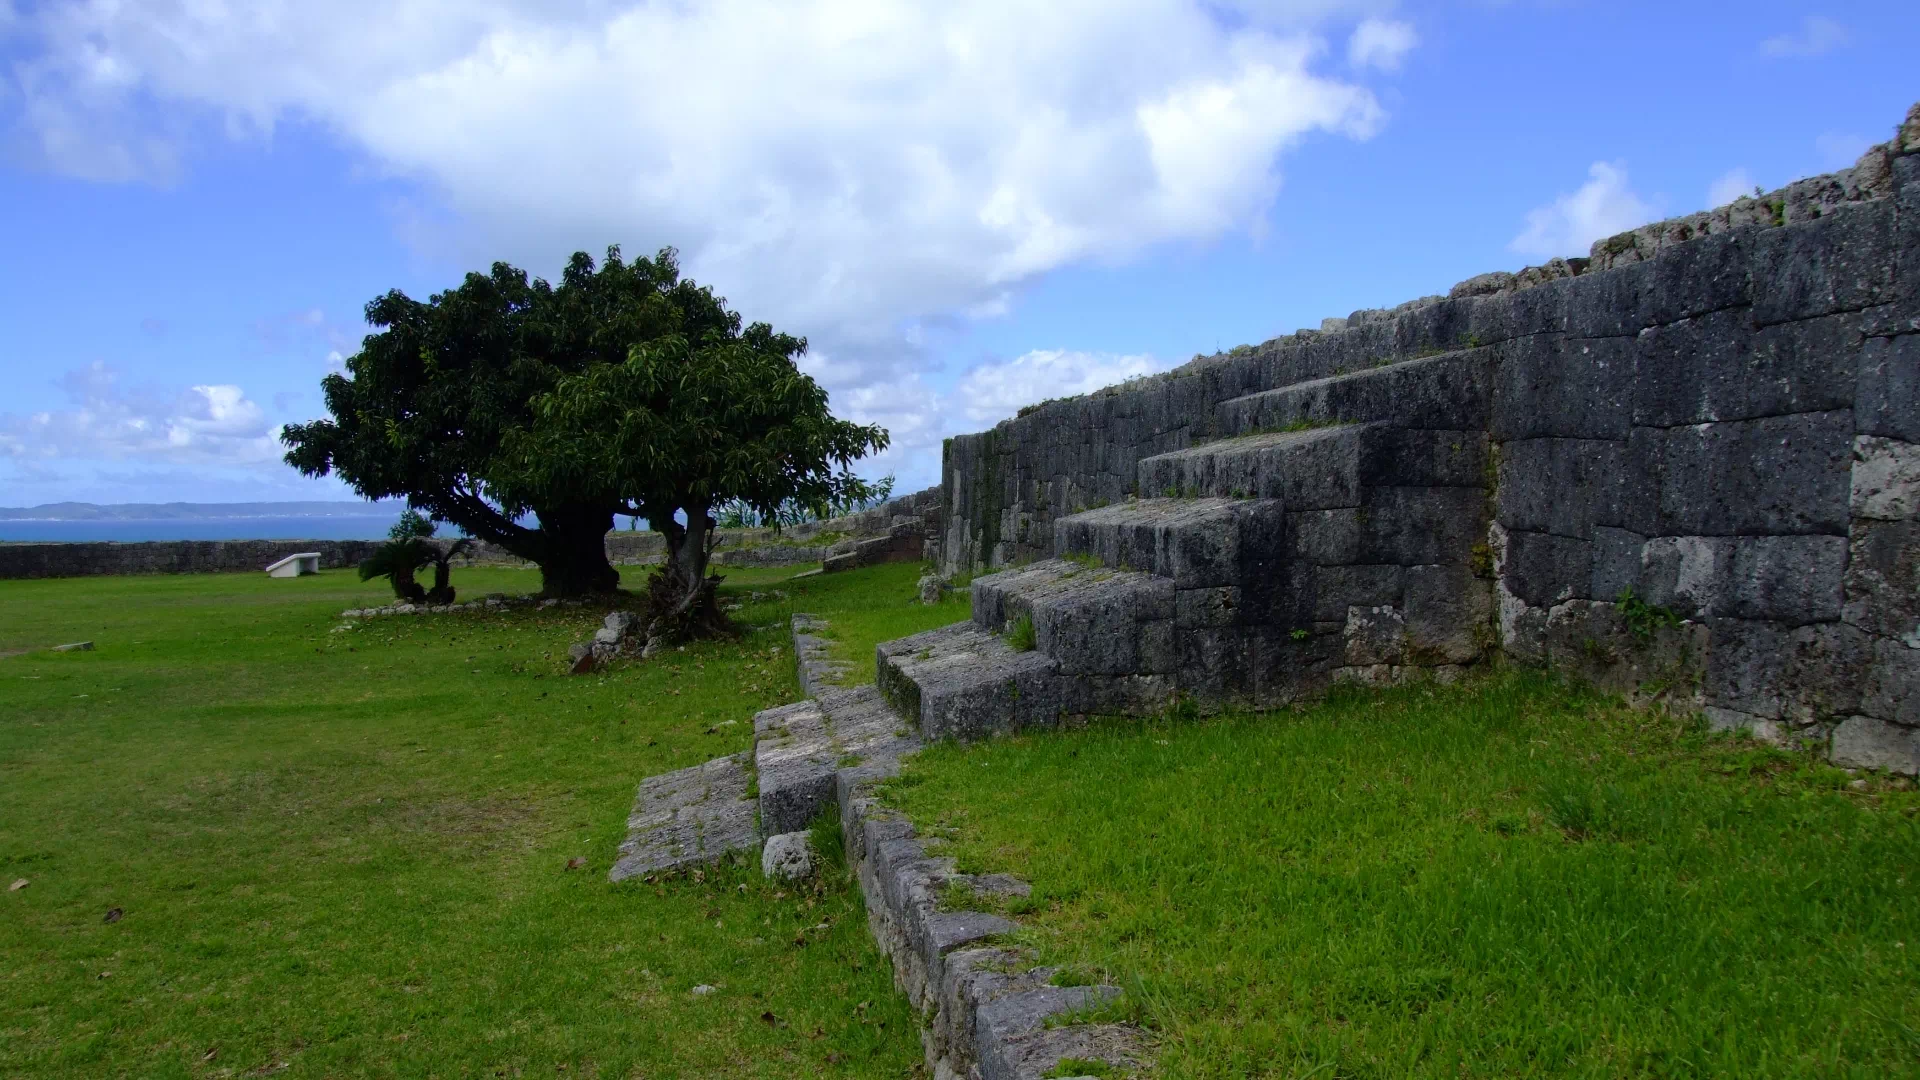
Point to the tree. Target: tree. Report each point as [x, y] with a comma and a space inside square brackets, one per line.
[687, 424]
[427, 405]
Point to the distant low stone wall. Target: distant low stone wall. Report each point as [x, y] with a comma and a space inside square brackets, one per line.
[170, 556]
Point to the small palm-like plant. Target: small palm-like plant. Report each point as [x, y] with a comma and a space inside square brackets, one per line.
[409, 549]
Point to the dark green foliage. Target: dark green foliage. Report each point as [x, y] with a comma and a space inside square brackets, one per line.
[431, 404]
[1020, 635]
[683, 425]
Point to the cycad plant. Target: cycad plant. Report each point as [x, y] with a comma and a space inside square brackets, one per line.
[408, 549]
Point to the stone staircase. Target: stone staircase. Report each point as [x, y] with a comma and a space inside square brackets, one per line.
[1337, 532]
[1330, 534]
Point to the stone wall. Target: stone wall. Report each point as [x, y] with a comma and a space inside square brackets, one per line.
[170, 556]
[1719, 413]
[809, 542]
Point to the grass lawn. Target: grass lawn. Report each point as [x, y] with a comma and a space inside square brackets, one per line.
[345, 852]
[1504, 879]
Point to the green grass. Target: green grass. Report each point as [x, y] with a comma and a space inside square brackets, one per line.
[345, 851]
[881, 605]
[1510, 878]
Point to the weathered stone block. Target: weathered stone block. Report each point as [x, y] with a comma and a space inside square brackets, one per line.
[1892, 689]
[1334, 589]
[1411, 526]
[1708, 273]
[1453, 391]
[1610, 303]
[1098, 629]
[1883, 579]
[1869, 743]
[1448, 613]
[1717, 367]
[1887, 398]
[1799, 676]
[1543, 569]
[1787, 579]
[1375, 635]
[1841, 262]
[1562, 486]
[1777, 475]
[1551, 386]
[1885, 482]
[1209, 607]
[1617, 557]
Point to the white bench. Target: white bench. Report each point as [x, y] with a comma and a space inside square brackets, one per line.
[306, 562]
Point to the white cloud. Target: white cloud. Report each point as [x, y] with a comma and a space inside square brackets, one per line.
[1839, 149]
[839, 167]
[1817, 36]
[990, 393]
[210, 424]
[1380, 43]
[1732, 185]
[1602, 206]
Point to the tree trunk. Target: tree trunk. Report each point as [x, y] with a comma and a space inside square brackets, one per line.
[573, 556]
[682, 598]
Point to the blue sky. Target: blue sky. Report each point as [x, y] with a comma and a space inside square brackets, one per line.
[963, 209]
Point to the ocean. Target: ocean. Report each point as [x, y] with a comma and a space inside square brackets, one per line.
[327, 527]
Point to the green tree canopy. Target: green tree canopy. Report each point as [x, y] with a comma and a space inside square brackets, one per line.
[687, 424]
[429, 404]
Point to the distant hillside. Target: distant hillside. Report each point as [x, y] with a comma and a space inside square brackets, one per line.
[79, 511]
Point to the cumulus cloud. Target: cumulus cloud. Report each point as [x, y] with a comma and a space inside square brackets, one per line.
[1569, 225]
[1817, 36]
[211, 424]
[839, 167]
[1380, 43]
[1730, 186]
[989, 393]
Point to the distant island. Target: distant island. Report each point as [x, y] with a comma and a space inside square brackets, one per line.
[178, 511]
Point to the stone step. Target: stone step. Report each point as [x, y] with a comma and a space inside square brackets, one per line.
[687, 817]
[1090, 620]
[1197, 543]
[800, 749]
[1319, 468]
[1452, 391]
[963, 682]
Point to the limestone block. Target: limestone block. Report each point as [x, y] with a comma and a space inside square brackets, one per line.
[1617, 560]
[1716, 367]
[1099, 630]
[1565, 387]
[1787, 579]
[1412, 526]
[1220, 606]
[1885, 479]
[1539, 310]
[1776, 475]
[1448, 612]
[1562, 486]
[1887, 398]
[1708, 273]
[1883, 579]
[1375, 635]
[1869, 743]
[1542, 569]
[1610, 303]
[1892, 689]
[1331, 590]
[1800, 675]
[1843, 261]
[788, 856]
